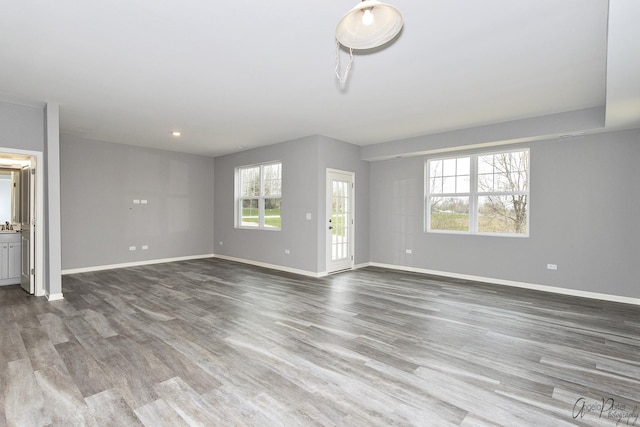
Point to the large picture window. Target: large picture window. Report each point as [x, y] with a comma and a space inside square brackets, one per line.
[259, 196]
[484, 193]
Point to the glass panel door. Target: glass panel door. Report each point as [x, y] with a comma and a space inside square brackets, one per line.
[340, 220]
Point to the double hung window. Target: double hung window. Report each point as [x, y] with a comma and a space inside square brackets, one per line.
[485, 193]
[259, 196]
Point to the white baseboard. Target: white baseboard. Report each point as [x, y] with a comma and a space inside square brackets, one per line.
[54, 297]
[133, 264]
[511, 283]
[286, 269]
[272, 266]
[524, 285]
[363, 265]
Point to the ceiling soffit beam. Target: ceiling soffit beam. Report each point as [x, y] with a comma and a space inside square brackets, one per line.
[524, 130]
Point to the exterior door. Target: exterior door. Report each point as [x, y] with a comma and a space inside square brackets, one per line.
[27, 195]
[340, 220]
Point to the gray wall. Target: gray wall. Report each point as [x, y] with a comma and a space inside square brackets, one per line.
[22, 127]
[299, 183]
[304, 163]
[34, 128]
[99, 182]
[585, 204]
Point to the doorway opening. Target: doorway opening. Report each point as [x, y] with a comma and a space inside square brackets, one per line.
[21, 211]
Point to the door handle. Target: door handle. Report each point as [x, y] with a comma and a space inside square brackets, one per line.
[330, 228]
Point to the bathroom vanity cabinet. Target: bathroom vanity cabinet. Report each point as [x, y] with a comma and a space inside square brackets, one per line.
[10, 253]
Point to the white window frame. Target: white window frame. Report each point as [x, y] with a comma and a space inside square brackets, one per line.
[261, 197]
[474, 194]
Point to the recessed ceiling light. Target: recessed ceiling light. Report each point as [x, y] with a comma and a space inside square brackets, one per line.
[242, 147]
[176, 133]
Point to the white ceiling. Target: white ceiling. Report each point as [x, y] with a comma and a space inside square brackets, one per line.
[252, 73]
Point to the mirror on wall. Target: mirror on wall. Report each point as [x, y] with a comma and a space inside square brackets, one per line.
[16, 206]
[9, 196]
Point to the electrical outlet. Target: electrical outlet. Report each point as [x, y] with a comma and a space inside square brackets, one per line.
[287, 251]
[308, 216]
[409, 251]
[220, 242]
[552, 267]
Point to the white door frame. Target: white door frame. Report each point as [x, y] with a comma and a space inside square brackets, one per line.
[38, 215]
[328, 215]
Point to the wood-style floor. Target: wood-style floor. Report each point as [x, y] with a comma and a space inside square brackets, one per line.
[216, 343]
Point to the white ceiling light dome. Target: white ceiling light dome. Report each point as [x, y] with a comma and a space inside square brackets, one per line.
[368, 25]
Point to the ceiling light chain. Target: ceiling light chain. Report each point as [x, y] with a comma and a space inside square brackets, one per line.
[343, 79]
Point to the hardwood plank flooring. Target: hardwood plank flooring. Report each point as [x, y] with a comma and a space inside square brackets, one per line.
[216, 343]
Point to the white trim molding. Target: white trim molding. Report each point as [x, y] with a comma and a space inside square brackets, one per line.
[54, 297]
[272, 266]
[524, 285]
[133, 264]
[511, 283]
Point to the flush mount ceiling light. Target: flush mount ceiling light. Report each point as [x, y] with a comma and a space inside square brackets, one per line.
[176, 133]
[368, 25]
